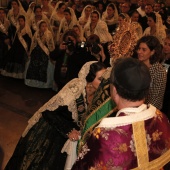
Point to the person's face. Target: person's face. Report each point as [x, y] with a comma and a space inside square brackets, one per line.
[32, 6]
[94, 18]
[125, 8]
[2, 14]
[110, 11]
[95, 83]
[76, 29]
[77, 2]
[151, 22]
[166, 48]
[142, 3]
[120, 20]
[157, 7]
[67, 16]
[144, 53]
[21, 22]
[88, 11]
[100, 7]
[148, 9]
[135, 17]
[38, 12]
[43, 27]
[14, 5]
[63, 7]
[45, 2]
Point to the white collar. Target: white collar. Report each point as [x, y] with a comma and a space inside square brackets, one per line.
[133, 115]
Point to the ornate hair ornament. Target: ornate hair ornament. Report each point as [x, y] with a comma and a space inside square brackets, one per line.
[124, 41]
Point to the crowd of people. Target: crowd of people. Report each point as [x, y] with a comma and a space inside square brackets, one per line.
[74, 48]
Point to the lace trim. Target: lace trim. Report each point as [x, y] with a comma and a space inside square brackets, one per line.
[73, 89]
[133, 115]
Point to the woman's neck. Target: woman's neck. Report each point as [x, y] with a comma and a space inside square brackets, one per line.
[153, 30]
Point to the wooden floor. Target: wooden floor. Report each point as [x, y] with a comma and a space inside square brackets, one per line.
[18, 103]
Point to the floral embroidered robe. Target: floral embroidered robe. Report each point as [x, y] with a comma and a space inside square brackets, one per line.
[139, 138]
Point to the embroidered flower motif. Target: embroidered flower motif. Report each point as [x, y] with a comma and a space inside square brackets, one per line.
[132, 145]
[83, 151]
[108, 166]
[156, 135]
[122, 147]
[96, 132]
[159, 115]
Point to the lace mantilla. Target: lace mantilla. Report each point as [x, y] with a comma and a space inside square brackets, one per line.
[65, 97]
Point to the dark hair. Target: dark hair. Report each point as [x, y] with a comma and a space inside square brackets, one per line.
[152, 15]
[133, 12]
[60, 5]
[153, 44]
[2, 9]
[22, 17]
[42, 22]
[124, 72]
[70, 32]
[67, 10]
[111, 5]
[37, 7]
[16, 2]
[94, 68]
[95, 12]
[93, 39]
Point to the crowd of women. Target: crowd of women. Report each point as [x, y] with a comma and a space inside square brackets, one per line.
[37, 46]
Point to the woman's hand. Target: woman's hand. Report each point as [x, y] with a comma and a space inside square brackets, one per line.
[74, 135]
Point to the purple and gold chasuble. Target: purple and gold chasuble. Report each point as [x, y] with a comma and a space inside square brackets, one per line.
[138, 139]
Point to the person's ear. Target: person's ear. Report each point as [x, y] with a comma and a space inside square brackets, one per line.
[152, 52]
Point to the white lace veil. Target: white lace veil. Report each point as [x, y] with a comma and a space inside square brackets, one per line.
[160, 28]
[83, 15]
[115, 17]
[65, 97]
[55, 10]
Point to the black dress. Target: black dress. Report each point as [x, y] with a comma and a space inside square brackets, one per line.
[15, 60]
[41, 148]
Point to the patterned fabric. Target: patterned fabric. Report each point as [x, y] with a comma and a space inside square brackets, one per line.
[102, 107]
[139, 140]
[158, 84]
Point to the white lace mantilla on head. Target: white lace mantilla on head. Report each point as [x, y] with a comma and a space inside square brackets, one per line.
[65, 97]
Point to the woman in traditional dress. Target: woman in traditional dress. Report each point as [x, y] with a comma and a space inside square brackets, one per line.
[40, 69]
[4, 36]
[68, 21]
[30, 11]
[121, 19]
[17, 56]
[47, 8]
[156, 28]
[149, 51]
[85, 15]
[134, 17]
[110, 16]
[79, 31]
[41, 143]
[38, 16]
[98, 27]
[56, 17]
[13, 15]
